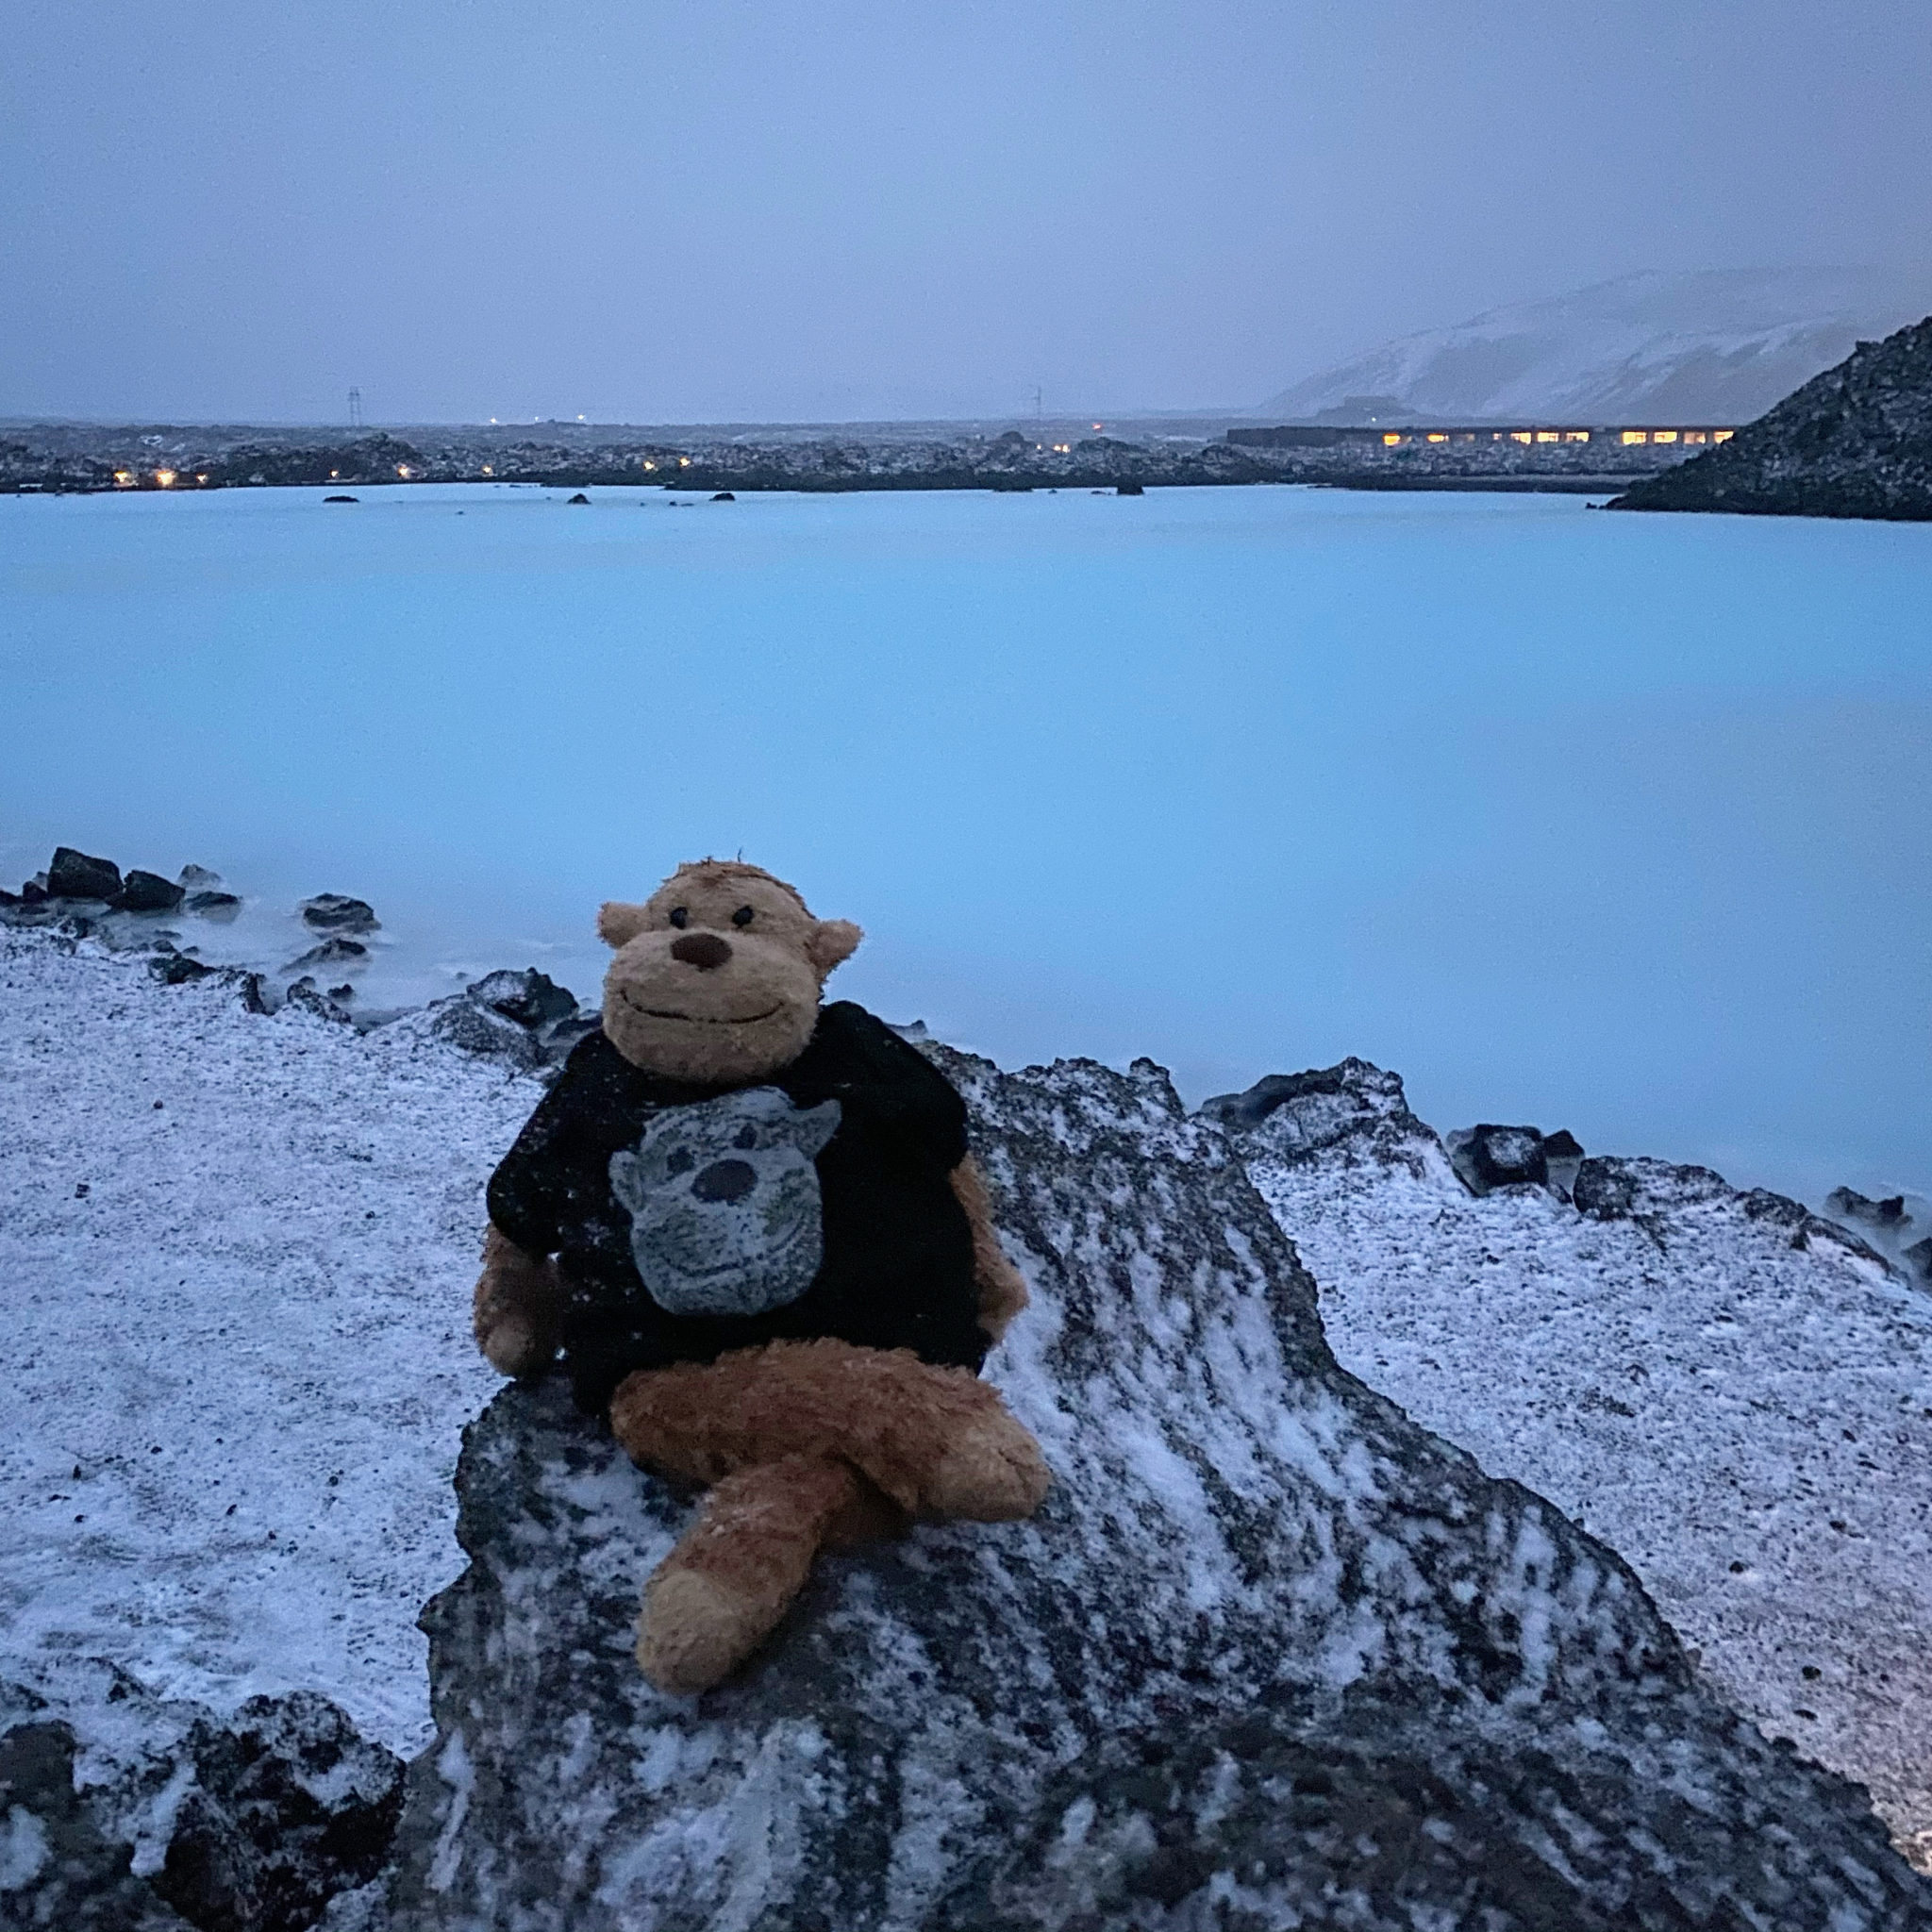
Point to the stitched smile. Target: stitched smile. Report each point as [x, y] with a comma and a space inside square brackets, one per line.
[697, 1019]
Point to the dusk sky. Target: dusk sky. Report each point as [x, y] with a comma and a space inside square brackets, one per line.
[662, 211]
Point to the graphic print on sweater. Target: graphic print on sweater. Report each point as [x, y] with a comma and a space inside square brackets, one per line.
[725, 1216]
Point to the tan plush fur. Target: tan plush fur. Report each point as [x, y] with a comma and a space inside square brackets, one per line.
[938, 1441]
[1002, 1291]
[807, 1445]
[720, 1592]
[718, 974]
[518, 1307]
[804, 1446]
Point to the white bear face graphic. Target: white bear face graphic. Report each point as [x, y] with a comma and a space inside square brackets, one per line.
[724, 1202]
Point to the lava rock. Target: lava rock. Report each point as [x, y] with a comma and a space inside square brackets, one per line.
[221, 905]
[530, 998]
[480, 1029]
[194, 879]
[57, 1868]
[304, 995]
[1129, 489]
[337, 912]
[580, 497]
[1271, 1655]
[288, 1807]
[178, 969]
[1489, 1156]
[1562, 1145]
[1604, 1189]
[342, 499]
[74, 876]
[1298, 1114]
[1919, 1258]
[723, 496]
[332, 952]
[1857, 1207]
[147, 892]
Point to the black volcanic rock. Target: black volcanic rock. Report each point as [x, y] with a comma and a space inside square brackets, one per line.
[1488, 1156]
[262, 1818]
[335, 951]
[74, 876]
[147, 892]
[337, 912]
[58, 1869]
[1271, 1656]
[1855, 441]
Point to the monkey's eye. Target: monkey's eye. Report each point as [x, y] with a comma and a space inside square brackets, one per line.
[742, 916]
[679, 917]
[678, 1161]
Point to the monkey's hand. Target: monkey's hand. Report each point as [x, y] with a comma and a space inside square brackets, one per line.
[1002, 1288]
[519, 1307]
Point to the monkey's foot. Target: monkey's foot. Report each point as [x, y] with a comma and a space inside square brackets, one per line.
[723, 1590]
[990, 1471]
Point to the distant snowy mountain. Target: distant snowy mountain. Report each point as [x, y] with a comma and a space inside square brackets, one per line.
[1715, 346]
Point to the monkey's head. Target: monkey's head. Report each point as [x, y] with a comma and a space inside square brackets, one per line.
[718, 974]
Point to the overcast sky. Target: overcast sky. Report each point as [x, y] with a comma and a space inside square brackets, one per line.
[657, 210]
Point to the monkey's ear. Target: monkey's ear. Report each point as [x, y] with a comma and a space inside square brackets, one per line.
[830, 942]
[619, 924]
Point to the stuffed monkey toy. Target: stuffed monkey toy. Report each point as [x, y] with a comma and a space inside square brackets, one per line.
[750, 1225]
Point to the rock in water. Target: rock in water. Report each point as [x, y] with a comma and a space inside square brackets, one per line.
[74, 876]
[1271, 1656]
[148, 891]
[337, 912]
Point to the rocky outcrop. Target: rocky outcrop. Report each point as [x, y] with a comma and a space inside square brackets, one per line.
[169, 1818]
[1271, 1655]
[1855, 441]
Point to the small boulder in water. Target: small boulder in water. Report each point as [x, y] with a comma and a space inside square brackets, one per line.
[74, 876]
[147, 892]
[330, 952]
[337, 912]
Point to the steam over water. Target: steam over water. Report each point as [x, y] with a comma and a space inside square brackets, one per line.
[1617, 822]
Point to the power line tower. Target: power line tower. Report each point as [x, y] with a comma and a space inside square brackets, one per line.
[354, 409]
[1039, 405]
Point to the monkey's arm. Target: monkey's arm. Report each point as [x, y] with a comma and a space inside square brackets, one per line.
[519, 1307]
[1002, 1293]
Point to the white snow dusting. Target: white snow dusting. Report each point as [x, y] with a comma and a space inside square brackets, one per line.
[1746, 1419]
[239, 1251]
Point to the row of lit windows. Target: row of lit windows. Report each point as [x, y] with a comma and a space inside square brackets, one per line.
[1392, 437]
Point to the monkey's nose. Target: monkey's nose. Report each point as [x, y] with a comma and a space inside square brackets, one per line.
[703, 950]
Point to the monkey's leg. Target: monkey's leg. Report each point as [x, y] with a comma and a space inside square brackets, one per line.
[519, 1307]
[720, 1592]
[938, 1441]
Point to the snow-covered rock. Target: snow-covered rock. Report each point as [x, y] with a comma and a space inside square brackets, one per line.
[1733, 1392]
[1271, 1655]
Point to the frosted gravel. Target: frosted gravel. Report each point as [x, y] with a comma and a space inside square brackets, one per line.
[1749, 1422]
[236, 1253]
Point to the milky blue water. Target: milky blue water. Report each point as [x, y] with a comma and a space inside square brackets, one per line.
[1617, 822]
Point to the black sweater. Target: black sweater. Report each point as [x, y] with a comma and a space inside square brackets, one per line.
[897, 1250]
